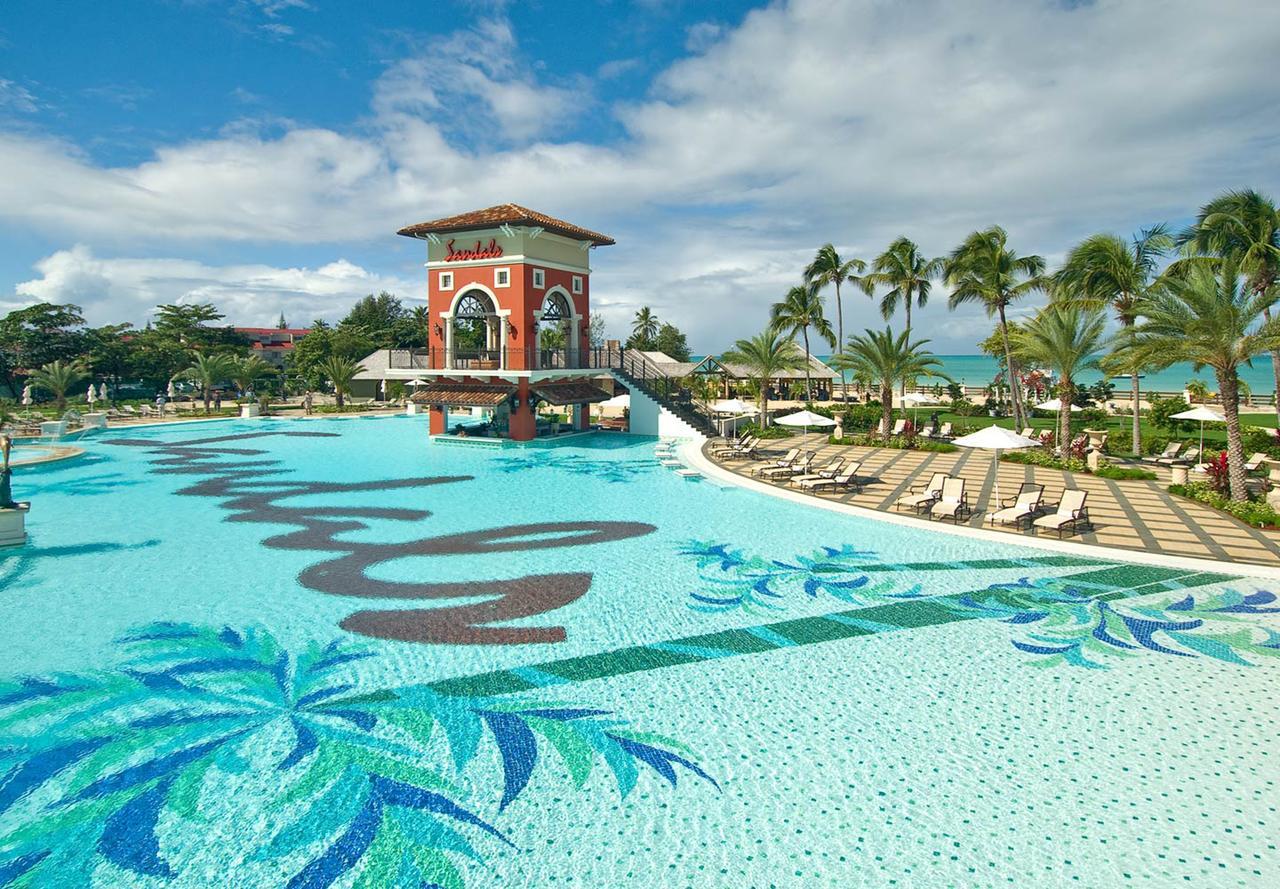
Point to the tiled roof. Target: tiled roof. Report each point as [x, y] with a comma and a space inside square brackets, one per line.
[463, 394]
[569, 393]
[274, 331]
[505, 214]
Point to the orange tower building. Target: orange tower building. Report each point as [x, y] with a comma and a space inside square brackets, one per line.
[508, 291]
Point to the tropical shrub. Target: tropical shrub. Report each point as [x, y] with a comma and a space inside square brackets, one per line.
[966, 408]
[861, 417]
[1256, 512]
[770, 432]
[1123, 473]
[1265, 440]
[1162, 411]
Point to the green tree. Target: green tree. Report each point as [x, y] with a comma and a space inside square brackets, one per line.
[341, 372]
[830, 268]
[909, 276]
[889, 359]
[798, 311]
[1245, 227]
[323, 342]
[644, 330]
[57, 377]
[36, 335]
[384, 321]
[247, 372]
[596, 334]
[985, 271]
[1206, 316]
[111, 353]
[765, 356]
[1065, 337]
[672, 342]
[207, 370]
[1105, 270]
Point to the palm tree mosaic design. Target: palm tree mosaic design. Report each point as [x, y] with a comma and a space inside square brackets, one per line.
[305, 776]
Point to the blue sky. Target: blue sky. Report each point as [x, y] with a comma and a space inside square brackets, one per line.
[262, 153]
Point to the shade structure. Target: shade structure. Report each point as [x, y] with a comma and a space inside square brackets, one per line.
[446, 394]
[996, 438]
[617, 402]
[416, 381]
[733, 406]
[1204, 415]
[805, 419]
[569, 393]
[1055, 405]
[918, 398]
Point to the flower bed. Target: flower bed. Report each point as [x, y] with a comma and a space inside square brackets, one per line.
[1257, 513]
[1041, 457]
[895, 442]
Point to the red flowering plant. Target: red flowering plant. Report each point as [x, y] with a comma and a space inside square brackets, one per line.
[1217, 471]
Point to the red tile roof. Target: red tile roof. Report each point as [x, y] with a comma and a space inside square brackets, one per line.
[505, 214]
[282, 331]
[463, 394]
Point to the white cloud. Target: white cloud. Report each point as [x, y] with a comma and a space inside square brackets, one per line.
[116, 289]
[17, 97]
[809, 122]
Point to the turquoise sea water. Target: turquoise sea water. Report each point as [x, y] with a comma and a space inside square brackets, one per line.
[330, 653]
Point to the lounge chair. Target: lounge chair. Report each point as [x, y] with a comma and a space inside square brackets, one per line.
[926, 432]
[828, 471]
[953, 503]
[798, 466]
[945, 431]
[1028, 432]
[880, 427]
[1189, 457]
[899, 427]
[846, 478]
[1170, 451]
[1070, 514]
[1024, 506]
[1255, 462]
[786, 461]
[921, 498]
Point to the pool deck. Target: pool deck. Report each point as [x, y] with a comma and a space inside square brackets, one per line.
[1139, 516]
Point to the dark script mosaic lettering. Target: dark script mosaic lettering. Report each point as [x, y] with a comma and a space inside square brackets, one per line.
[250, 490]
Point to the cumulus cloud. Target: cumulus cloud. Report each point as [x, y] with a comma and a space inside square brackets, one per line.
[115, 289]
[809, 122]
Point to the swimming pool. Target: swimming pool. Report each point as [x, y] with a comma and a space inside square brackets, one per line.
[326, 652]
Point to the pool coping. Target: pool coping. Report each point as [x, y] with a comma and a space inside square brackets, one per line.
[691, 453]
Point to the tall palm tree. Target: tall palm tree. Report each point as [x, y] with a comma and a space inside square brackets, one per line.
[57, 377]
[1106, 270]
[1067, 338]
[984, 270]
[645, 325]
[888, 359]
[798, 311]
[1206, 316]
[340, 372]
[765, 356]
[208, 370]
[1244, 225]
[829, 267]
[248, 371]
[909, 276]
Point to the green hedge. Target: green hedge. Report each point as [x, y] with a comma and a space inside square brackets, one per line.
[1045, 458]
[1257, 513]
[897, 442]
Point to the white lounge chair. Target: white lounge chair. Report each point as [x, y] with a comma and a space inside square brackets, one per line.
[945, 431]
[921, 498]
[899, 427]
[1024, 506]
[800, 467]
[786, 461]
[1070, 514]
[1170, 451]
[1189, 457]
[828, 471]
[1255, 462]
[953, 503]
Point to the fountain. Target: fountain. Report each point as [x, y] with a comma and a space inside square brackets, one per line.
[13, 515]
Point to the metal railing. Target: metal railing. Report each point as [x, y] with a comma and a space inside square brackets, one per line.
[526, 358]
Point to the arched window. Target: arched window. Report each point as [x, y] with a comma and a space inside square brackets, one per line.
[474, 323]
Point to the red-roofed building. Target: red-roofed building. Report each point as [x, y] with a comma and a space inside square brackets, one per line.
[273, 344]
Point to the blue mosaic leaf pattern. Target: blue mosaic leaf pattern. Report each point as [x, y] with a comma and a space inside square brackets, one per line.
[93, 767]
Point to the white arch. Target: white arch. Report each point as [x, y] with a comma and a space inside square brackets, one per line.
[463, 290]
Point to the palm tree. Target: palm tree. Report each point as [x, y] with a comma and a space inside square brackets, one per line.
[248, 371]
[1107, 270]
[57, 377]
[799, 310]
[909, 276]
[1244, 225]
[645, 326]
[888, 359]
[340, 372]
[984, 270]
[1067, 338]
[208, 370]
[421, 317]
[1205, 316]
[828, 267]
[765, 356]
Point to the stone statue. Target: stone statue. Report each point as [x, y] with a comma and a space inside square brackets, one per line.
[6, 493]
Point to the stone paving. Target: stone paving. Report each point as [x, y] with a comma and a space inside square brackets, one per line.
[1135, 515]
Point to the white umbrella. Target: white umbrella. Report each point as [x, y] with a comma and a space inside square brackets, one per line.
[995, 438]
[91, 396]
[805, 419]
[1204, 415]
[102, 392]
[382, 389]
[733, 406]
[618, 402]
[1055, 405]
[26, 395]
[416, 382]
[171, 392]
[915, 399]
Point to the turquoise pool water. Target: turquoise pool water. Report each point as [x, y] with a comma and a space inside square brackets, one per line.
[329, 653]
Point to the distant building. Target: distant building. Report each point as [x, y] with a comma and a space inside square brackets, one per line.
[273, 344]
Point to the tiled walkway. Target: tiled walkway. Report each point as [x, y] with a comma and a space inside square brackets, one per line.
[1136, 515]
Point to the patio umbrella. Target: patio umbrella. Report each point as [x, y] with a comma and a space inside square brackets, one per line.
[382, 389]
[102, 392]
[1203, 414]
[26, 395]
[91, 396]
[995, 438]
[618, 402]
[915, 399]
[805, 419]
[171, 393]
[416, 382]
[1055, 405]
[733, 406]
